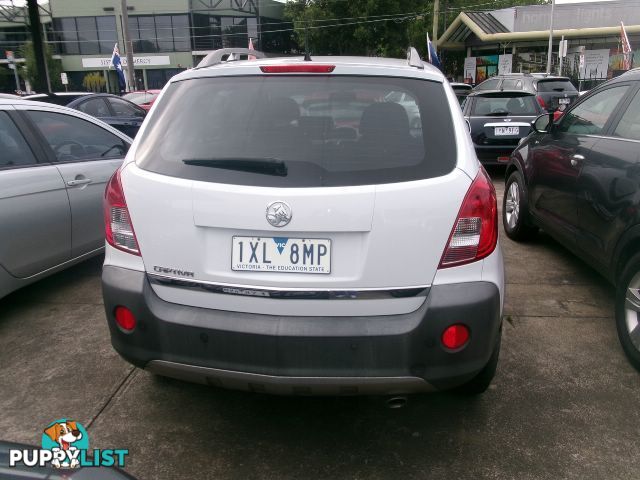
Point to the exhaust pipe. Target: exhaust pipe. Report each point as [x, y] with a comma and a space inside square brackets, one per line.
[396, 402]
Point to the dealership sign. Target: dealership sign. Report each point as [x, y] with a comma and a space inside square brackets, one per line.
[105, 62]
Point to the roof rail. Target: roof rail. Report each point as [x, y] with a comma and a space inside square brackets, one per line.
[232, 54]
[413, 58]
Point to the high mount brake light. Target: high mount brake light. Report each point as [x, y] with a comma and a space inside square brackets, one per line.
[304, 68]
[118, 227]
[475, 232]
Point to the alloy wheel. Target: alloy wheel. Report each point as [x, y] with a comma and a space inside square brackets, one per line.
[512, 205]
[632, 310]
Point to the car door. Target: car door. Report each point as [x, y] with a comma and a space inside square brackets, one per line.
[558, 157]
[35, 217]
[609, 182]
[127, 117]
[86, 154]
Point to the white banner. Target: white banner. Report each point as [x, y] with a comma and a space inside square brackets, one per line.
[505, 63]
[105, 62]
[596, 64]
[470, 69]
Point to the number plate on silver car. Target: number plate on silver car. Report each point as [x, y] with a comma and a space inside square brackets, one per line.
[281, 255]
[507, 131]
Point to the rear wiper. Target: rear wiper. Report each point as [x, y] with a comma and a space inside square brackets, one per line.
[265, 166]
[559, 89]
[497, 114]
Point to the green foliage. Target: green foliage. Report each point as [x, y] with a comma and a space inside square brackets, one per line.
[29, 69]
[94, 82]
[362, 33]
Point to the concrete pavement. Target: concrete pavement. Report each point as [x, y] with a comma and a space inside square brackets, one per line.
[563, 403]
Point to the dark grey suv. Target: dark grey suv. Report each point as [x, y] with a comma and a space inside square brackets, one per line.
[579, 179]
[552, 93]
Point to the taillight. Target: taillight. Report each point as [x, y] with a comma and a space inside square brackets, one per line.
[475, 232]
[301, 68]
[541, 101]
[118, 226]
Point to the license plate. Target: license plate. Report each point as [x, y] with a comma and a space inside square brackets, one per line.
[507, 130]
[564, 101]
[281, 255]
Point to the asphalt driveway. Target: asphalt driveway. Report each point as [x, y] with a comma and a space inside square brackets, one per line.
[564, 403]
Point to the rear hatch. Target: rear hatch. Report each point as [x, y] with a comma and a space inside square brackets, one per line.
[306, 186]
[502, 118]
[556, 93]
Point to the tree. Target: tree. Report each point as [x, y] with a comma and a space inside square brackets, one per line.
[376, 27]
[94, 82]
[28, 70]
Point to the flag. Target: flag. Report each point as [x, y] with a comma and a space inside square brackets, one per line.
[432, 54]
[251, 57]
[626, 48]
[117, 64]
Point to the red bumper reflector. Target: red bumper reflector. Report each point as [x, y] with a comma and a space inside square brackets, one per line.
[455, 336]
[125, 318]
[503, 159]
[302, 68]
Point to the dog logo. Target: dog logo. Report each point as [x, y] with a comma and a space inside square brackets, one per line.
[68, 437]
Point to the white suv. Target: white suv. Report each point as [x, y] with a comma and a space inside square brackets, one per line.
[280, 226]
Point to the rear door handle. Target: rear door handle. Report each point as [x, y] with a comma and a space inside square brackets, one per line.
[78, 181]
[576, 160]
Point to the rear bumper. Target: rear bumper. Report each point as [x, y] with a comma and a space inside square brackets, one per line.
[488, 155]
[305, 355]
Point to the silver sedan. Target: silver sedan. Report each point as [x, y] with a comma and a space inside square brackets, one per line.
[54, 165]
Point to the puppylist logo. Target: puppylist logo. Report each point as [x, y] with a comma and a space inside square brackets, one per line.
[65, 444]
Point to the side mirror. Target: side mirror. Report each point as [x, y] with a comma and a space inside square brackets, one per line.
[542, 124]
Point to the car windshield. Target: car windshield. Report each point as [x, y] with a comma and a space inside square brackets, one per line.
[504, 105]
[555, 86]
[140, 98]
[317, 131]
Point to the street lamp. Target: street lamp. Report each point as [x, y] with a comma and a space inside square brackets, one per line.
[550, 51]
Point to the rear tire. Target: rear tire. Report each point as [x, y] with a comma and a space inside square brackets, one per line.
[628, 310]
[482, 380]
[515, 210]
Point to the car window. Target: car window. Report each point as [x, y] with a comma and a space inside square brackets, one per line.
[555, 86]
[504, 105]
[95, 107]
[490, 84]
[72, 138]
[123, 109]
[590, 116]
[14, 148]
[512, 84]
[629, 125]
[310, 131]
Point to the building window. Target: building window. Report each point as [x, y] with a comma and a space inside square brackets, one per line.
[84, 35]
[12, 38]
[160, 33]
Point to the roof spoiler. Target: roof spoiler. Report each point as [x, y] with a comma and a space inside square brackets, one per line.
[227, 55]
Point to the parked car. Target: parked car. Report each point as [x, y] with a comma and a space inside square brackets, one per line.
[552, 92]
[117, 112]
[143, 98]
[54, 166]
[246, 251]
[498, 120]
[461, 90]
[579, 180]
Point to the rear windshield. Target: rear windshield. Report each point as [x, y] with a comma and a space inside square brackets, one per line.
[504, 105]
[300, 131]
[140, 98]
[555, 86]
